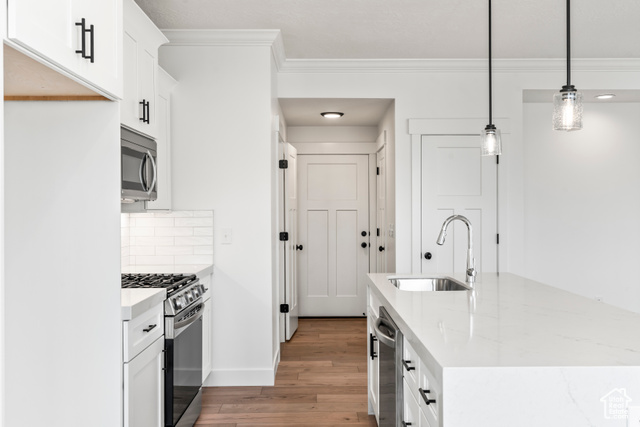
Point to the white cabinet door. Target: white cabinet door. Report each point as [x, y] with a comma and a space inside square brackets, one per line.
[163, 114]
[141, 40]
[144, 388]
[372, 354]
[47, 29]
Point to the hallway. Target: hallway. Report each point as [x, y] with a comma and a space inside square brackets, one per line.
[321, 382]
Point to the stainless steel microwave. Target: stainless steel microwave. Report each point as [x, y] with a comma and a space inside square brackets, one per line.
[138, 166]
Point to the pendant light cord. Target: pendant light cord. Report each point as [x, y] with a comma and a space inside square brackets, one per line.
[490, 85]
[568, 43]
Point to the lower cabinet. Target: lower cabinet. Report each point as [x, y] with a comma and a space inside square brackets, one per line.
[143, 372]
[422, 394]
[144, 388]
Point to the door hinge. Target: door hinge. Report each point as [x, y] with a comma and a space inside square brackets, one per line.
[497, 239]
[283, 164]
[284, 236]
[378, 232]
[284, 308]
[497, 160]
[377, 170]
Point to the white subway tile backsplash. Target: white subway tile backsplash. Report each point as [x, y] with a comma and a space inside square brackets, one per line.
[193, 240]
[166, 240]
[194, 259]
[174, 250]
[203, 231]
[194, 222]
[174, 231]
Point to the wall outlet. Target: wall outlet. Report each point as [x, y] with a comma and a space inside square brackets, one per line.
[599, 298]
[226, 236]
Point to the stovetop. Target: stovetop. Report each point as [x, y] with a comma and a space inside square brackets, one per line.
[173, 283]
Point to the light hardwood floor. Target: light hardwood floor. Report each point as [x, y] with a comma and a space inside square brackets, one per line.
[321, 382]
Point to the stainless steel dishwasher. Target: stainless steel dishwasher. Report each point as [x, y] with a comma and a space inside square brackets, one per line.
[390, 370]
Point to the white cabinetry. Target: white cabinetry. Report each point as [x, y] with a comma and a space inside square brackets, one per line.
[141, 40]
[422, 394]
[372, 355]
[163, 139]
[143, 369]
[207, 348]
[51, 31]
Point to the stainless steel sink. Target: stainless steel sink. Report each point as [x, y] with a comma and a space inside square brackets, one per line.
[421, 284]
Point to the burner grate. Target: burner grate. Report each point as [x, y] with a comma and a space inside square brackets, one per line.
[171, 282]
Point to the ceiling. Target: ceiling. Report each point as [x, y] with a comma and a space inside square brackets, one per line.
[357, 112]
[420, 29]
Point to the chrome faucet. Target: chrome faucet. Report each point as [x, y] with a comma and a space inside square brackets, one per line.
[471, 262]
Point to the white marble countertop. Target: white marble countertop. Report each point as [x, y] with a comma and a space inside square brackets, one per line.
[199, 269]
[510, 321]
[136, 301]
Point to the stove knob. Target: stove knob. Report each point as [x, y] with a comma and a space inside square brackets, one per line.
[196, 292]
[177, 304]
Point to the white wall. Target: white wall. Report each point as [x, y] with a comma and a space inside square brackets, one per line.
[62, 264]
[221, 160]
[459, 90]
[581, 202]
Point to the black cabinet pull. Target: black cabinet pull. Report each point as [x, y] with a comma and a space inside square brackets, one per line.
[83, 44]
[148, 112]
[405, 363]
[299, 247]
[372, 339]
[149, 328]
[426, 399]
[145, 111]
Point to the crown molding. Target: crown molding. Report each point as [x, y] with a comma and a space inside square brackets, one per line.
[453, 65]
[273, 39]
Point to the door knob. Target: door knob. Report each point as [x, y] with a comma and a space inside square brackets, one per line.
[427, 255]
[381, 248]
[363, 234]
[363, 244]
[299, 247]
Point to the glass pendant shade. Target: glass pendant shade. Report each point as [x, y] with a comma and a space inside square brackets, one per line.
[567, 110]
[491, 141]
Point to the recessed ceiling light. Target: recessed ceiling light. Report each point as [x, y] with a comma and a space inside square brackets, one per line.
[605, 96]
[332, 115]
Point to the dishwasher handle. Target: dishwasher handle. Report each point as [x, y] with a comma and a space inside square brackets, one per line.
[384, 338]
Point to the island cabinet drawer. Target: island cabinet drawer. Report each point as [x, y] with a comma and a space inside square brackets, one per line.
[410, 366]
[411, 409]
[430, 396]
[141, 331]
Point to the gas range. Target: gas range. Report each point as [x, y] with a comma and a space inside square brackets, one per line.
[182, 290]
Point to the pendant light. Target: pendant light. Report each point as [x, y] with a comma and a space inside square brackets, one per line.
[567, 104]
[491, 143]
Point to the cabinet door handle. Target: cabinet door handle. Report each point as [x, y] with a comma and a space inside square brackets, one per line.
[405, 363]
[148, 112]
[148, 329]
[83, 44]
[83, 36]
[372, 339]
[426, 399]
[145, 111]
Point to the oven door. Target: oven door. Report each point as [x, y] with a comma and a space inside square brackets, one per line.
[138, 167]
[183, 372]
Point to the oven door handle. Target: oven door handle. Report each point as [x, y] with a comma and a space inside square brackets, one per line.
[184, 323]
[387, 340]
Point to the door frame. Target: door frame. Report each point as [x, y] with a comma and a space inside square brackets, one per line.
[459, 127]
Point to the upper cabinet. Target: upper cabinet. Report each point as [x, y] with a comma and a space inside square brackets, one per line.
[80, 38]
[141, 41]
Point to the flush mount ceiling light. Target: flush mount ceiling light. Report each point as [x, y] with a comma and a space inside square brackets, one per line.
[491, 144]
[567, 104]
[605, 96]
[332, 115]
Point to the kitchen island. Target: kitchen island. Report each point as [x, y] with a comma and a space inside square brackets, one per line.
[515, 352]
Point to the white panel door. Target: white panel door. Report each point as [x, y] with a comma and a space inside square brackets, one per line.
[456, 179]
[333, 215]
[292, 247]
[381, 230]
